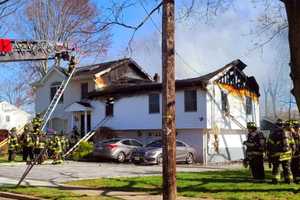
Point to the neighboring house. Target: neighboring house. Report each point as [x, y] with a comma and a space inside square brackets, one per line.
[211, 110]
[11, 116]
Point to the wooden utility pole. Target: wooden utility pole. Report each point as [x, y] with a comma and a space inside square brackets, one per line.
[168, 100]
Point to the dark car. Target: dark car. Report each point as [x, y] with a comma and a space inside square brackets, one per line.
[152, 153]
[119, 149]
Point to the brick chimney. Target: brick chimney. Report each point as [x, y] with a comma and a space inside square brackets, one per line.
[156, 77]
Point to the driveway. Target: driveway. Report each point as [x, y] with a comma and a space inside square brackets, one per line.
[48, 174]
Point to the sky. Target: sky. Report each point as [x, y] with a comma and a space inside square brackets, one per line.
[204, 45]
[201, 45]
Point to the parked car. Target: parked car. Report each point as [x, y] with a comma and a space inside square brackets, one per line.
[152, 153]
[119, 149]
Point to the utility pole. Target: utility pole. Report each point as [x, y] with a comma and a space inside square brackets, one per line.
[290, 106]
[168, 101]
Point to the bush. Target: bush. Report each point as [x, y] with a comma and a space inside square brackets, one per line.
[83, 150]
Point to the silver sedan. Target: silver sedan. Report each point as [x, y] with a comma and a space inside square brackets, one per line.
[152, 153]
[119, 149]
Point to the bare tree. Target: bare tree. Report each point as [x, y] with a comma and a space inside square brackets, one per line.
[74, 22]
[16, 92]
[8, 7]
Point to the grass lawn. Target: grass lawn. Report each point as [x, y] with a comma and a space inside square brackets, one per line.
[52, 193]
[4, 158]
[229, 185]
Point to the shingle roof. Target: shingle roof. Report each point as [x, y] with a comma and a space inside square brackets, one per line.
[202, 81]
[85, 104]
[96, 68]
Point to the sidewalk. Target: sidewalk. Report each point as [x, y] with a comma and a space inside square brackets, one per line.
[26, 182]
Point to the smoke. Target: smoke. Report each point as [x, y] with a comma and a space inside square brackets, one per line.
[202, 47]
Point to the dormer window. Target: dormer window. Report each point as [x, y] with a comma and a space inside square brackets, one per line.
[224, 100]
[109, 107]
[53, 88]
[249, 106]
[84, 90]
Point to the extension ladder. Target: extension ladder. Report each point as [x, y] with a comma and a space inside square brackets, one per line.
[87, 136]
[46, 118]
[56, 98]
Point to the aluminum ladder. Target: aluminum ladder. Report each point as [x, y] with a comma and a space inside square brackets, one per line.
[46, 118]
[56, 98]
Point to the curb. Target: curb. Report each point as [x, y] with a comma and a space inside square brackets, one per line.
[18, 196]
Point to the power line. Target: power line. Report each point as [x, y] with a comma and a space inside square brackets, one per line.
[159, 31]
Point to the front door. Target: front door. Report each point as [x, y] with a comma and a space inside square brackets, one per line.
[82, 123]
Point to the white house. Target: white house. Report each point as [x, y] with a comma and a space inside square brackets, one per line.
[11, 116]
[211, 110]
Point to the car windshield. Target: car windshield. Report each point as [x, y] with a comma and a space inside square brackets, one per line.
[111, 141]
[155, 144]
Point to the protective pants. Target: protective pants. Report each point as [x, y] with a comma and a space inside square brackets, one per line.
[295, 167]
[37, 152]
[286, 167]
[27, 151]
[57, 158]
[256, 164]
[11, 155]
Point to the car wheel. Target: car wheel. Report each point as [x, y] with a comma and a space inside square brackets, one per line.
[159, 159]
[189, 158]
[121, 157]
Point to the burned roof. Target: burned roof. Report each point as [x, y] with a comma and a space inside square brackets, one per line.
[85, 104]
[130, 89]
[96, 68]
[144, 87]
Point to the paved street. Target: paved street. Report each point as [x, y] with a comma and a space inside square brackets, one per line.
[48, 174]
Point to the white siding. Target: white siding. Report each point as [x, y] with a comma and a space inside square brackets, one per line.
[71, 95]
[230, 146]
[237, 108]
[132, 113]
[230, 134]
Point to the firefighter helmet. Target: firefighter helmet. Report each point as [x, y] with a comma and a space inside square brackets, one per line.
[296, 124]
[279, 122]
[251, 125]
[288, 123]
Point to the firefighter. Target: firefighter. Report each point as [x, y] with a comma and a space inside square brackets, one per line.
[57, 150]
[295, 163]
[12, 144]
[71, 64]
[37, 123]
[40, 144]
[27, 143]
[64, 143]
[255, 144]
[50, 144]
[280, 149]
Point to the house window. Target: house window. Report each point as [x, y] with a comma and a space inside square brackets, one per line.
[109, 108]
[54, 87]
[248, 105]
[84, 90]
[7, 118]
[224, 99]
[153, 103]
[190, 100]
